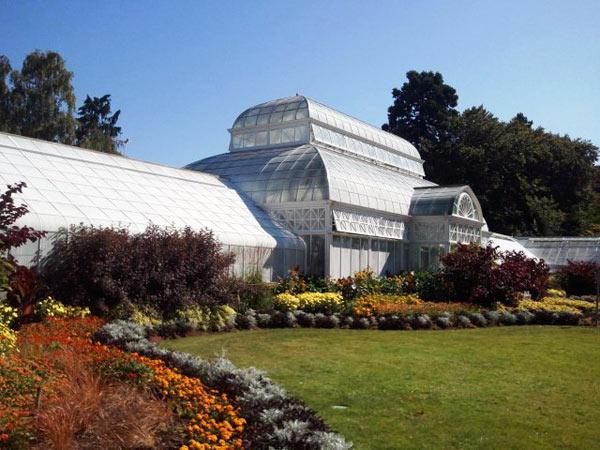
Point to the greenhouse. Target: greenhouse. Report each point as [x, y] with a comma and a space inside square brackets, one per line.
[301, 185]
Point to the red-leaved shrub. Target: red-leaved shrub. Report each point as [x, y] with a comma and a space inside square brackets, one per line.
[578, 277]
[484, 275]
[165, 268]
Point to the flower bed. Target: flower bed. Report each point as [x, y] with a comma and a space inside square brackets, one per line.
[37, 372]
[274, 419]
[315, 302]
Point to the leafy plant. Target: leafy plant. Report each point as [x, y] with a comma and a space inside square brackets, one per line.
[167, 269]
[579, 277]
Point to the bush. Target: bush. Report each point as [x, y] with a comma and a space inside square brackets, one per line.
[463, 322]
[323, 302]
[280, 319]
[263, 320]
[167, 269]
[478, 319]
[422, 322]
[578, 278]
[524, 317]
[430, 286]
[253, 293]
[325, 321]
[507, 318]
[246, 321]
[361, 323]
[306, 320]
[493, 317]
[443, 322]
[484, 276]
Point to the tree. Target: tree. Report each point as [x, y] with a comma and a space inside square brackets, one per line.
[528, 181]
[423, 113]
[5, 95]
[43, 99]
[98, 129]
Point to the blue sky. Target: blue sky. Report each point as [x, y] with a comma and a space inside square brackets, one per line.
[182, 71]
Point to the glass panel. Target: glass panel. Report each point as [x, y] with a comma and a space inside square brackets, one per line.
[275, 137]
[263, 119]
[302, 113]
[289, 115]
[261, 138]
[276, 117]
[287, 135]
[250, 121]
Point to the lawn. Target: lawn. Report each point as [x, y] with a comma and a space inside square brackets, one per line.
[506, 387]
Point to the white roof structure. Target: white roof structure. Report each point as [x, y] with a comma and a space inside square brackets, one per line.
[312, 172]
[509, 244]
[557, 251]
[293, 121]
[69, 185]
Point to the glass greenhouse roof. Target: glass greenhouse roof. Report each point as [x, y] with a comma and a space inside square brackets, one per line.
[557, 251]
[313, 173]
[445, 200]
[69, 185]
[299, 120]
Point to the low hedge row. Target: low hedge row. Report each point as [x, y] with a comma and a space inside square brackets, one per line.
[274, 419]
[444, 320]
[419, 321]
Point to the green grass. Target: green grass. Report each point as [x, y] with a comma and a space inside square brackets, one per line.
[508, 387]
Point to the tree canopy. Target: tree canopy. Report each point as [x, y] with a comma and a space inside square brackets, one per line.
[529, 181]
[97, 128]
[38, 101]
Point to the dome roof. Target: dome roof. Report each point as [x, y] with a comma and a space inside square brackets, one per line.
[298, 120]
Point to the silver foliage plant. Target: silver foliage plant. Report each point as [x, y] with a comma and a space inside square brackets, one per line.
[280, 421]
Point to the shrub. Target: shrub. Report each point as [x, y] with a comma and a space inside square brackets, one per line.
[463, 322]
[253, 293]
[306, 320]
[556, 293]
[493, 317]
[484, 276]
[361, 323]
[281, 319]
[347, 322]
[430, 286]
[326, 321]
[443, 322]
[524, 317]
[478, 319]
[578, 277]
[263, 320]
[247, 320]
[23, 287]
[422, 322]
[507, 318]
[167, 269]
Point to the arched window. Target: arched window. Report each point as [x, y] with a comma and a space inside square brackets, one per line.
[464, 207]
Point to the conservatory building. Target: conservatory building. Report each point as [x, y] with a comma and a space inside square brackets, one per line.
[301, 185]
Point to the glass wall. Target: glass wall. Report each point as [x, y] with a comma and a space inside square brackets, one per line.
[315, 254]
[349, 254]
